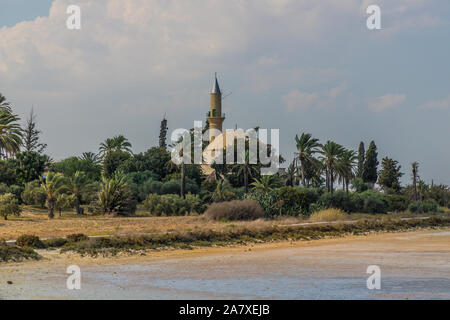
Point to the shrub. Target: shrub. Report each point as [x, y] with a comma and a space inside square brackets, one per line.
[374, 202]
[341, 200]
[267, 200]
[173, 205]
[33, 194]
[174, 187]
[14, 253]
[397, 203]
[9, 205]
[328, 215]
[294, 200]
[235, 210]
[77, 237]
[423, 207]
[55, 242]
[30, 241]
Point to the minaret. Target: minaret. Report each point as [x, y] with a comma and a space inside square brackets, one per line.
[215, 116]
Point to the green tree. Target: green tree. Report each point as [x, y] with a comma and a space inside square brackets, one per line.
[90, 157]
[222, 192]
[64, 201]
[4, 104]
[306, 147]
[331, 152]
[389, 175]
[30, 166]
[345, 168]
[53, 185]
[10, 133]
[68, 167]
[31, 138]
[77, 186]
[115, 196]
[9, 205]
[415, 177]
[113, 160]
[163, 134]
[34, 194]
[117, 143]
[361, 160]
[267, 183]
[370, 174]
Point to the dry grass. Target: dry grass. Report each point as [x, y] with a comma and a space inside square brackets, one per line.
[37, 223]
[237, 210]
[328, 215]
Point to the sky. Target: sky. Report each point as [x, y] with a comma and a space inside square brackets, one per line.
[294, 65]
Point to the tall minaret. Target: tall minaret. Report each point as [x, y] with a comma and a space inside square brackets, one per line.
[215, 116]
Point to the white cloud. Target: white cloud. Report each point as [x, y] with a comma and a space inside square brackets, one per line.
[297, 100]
[134, 60]
[438, 104]
[386, 102]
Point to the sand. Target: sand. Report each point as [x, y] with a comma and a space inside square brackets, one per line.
[414, 265]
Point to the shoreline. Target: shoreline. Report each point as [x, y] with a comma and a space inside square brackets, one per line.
[415, 259]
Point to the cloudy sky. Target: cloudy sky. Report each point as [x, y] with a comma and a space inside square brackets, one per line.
[298, 65]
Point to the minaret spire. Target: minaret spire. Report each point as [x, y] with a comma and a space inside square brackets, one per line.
[215, 115]
[216, 88]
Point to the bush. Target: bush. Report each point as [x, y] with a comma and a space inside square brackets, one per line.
[9, 205]
[365, 202]
[341, 200]
[14, 253]
[294, 200]
[174, 187]
[423, 207]
[374, 202]
[267, 200]
[397, 203]
[30, 241]
[34, 195]
[173, 205]
[77, 237]
[55, 242]
[328, 215]
[235, 210]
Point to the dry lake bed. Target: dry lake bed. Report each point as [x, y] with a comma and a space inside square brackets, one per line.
[414, 265]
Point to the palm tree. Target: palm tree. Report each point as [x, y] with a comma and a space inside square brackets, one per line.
[331, 152]
[78, 184]
[415, 176]
[117, 143]
[267, 183]
[91, 157]
[346, 165]
[306, 146]
[114, 193]
[4, 105]
[10, 132]
[53, 185]
[245, 168]
[222, 191]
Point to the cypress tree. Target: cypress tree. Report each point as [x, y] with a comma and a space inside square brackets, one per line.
[361, 159]
[370, 174]
[390, 175]
[31, 139]
[163, 134]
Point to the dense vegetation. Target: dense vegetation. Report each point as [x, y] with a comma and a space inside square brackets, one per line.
[115, 181]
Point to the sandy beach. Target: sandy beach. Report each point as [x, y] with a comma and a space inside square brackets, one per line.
[414, 265]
